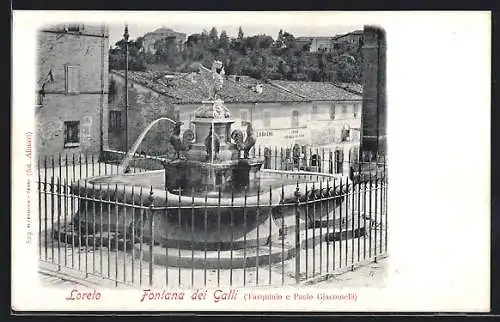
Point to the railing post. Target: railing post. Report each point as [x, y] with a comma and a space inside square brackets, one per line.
[151, 229]
[297, 235]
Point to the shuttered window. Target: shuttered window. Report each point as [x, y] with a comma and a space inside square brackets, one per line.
[72, 79]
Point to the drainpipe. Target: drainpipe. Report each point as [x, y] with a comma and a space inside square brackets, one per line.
[126, 36]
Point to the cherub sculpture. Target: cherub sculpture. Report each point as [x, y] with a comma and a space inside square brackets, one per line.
[181, 145]
[246, 145]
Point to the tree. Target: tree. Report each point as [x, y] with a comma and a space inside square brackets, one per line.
[213, 35]
[289, 40]
[166, 51]
[224, 40]
[279, 41]
[257, 56]
[136, 58]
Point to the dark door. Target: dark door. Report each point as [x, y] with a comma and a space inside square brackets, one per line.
[339, 160]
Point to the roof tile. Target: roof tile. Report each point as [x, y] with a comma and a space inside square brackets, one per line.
[193, 88]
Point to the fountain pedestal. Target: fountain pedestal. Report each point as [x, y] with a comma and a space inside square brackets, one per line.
[199, 177]
[213, 163]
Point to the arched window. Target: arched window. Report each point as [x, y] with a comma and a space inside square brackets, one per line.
[295, 118]
[345, 133]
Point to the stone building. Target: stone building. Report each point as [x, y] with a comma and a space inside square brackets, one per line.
[317, 44]
[151, 37]
[72, 85]
[352, 38]
[283, 113]
[329, 44]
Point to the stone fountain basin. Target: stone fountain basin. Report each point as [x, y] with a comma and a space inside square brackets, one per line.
[122, 204]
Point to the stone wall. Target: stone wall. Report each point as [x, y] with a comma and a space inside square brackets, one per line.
[144, 106]
[374, 91]
[87, 52]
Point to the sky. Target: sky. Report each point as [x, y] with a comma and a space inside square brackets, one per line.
[252, 23]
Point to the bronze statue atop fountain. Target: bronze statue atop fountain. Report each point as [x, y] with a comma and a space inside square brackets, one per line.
[246, 145]
[213, 160]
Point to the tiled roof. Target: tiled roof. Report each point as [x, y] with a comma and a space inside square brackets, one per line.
[356, 32]
[269, 92]
[352, 87]
[318, 91]
[191, 88]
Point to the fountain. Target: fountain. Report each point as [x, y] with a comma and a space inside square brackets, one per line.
[211, 197]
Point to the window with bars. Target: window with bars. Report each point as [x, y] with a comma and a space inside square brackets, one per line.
[72, 79]
[115, 120]
[71, 133]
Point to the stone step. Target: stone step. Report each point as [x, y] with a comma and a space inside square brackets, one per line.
[279, 250]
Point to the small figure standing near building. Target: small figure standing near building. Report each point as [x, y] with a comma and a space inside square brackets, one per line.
[296, 156]
[267, 158]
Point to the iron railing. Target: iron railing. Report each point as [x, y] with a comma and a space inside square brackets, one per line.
[310, 225]
[322, 160]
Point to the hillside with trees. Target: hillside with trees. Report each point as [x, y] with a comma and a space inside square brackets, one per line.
[258, 56]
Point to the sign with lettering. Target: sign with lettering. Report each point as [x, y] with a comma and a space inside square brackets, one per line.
[295, 134]
[264, 133]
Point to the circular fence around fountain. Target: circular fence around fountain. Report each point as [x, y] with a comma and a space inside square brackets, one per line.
[268, 224]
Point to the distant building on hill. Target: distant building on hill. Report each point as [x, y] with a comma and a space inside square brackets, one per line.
[151, 37]
[350, 38]
[329, 44]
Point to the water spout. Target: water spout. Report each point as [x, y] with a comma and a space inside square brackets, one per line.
[137, 142]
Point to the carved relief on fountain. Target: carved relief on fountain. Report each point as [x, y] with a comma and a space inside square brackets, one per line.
[213, 110]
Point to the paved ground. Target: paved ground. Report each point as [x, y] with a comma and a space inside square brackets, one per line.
[370, 275]
[56, 280]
